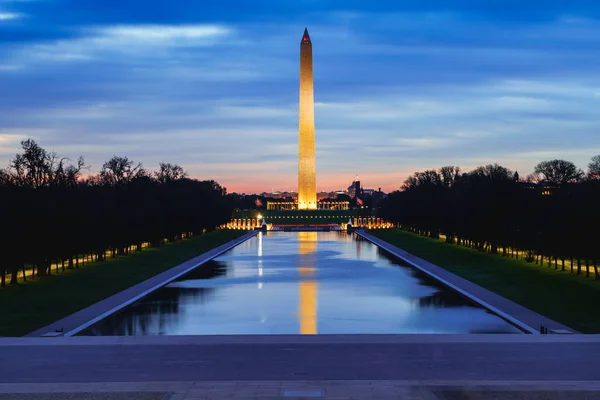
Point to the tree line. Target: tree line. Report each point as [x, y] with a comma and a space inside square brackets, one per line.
[552, 216]
[52, 213]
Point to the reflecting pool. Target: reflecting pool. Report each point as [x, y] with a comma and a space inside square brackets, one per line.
[302, 283]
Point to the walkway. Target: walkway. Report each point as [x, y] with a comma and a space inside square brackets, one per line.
[509, 310]
[297, 357]
[114, 303]
[338, 367]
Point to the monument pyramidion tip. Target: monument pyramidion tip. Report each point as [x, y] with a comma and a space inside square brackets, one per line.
[305, 37]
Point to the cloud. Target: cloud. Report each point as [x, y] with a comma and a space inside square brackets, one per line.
[254, 112]
[190, 35]
[124, 42]
[10, 143]
[396, 92]
[256, 137]
[7, 16]
[10, 67]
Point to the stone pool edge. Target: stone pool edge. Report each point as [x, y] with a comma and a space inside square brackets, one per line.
[523, 318]
[82, 319]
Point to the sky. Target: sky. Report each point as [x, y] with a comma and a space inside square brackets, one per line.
[400, 86]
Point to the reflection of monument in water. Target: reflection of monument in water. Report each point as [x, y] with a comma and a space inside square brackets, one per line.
[307, 263]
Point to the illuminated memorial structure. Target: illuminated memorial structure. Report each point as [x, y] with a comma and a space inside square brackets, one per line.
[305, 208]
[307, 167]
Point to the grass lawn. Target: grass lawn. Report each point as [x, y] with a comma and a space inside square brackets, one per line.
[564, 297]
[34, 304]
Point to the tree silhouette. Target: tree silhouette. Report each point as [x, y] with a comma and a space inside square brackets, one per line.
[169, 172]
[559, 171]
[490, 209]
[120, 170]
[50, 214]
[594, 167]
[36, 168]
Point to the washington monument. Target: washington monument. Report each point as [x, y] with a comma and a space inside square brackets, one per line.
[307, 180]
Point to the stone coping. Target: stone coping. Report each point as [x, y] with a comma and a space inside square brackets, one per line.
[339, 390]
[215, 340]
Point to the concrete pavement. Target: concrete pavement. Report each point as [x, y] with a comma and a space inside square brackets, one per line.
[326, 357]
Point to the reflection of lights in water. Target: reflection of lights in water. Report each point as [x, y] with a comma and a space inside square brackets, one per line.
[307, 247]
[260, 253]
[260, 249]
[382, 298]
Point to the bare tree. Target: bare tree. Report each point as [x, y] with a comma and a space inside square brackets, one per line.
[32, 167]
[5, 178]
[68, 174]
[559, 171]
[534, 177]
[410, 183]
[120, 170]
[493, 172]
[36, 167]
[430, 178]
[450, 175]
[594, 167]
[169, 172]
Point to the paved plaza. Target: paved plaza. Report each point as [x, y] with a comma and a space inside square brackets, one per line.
[451, 367]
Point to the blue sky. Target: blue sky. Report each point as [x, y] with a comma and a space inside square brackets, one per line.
[400, 86]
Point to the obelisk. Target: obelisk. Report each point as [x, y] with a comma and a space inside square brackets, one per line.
[307, 180]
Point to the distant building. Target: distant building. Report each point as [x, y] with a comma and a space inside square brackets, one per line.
[378, 195]
[355, 190]
[277, 200]
[333, 204]
[289, 200]
[280, 195]
[545, 188]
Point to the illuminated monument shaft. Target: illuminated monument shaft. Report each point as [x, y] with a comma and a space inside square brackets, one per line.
[307, 181]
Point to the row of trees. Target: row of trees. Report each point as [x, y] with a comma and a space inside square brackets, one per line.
[551, 216]
[51, 213]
